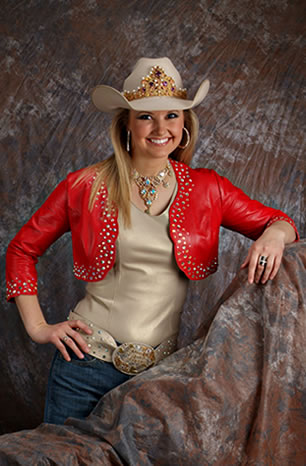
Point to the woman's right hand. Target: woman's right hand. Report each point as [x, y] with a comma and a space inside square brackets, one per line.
[62, 335]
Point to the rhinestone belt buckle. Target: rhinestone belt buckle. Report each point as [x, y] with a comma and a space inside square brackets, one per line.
[133, 358]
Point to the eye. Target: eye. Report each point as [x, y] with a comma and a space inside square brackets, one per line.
[172, 115]
[144, 116]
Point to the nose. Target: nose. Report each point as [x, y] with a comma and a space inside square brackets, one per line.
[159, 127]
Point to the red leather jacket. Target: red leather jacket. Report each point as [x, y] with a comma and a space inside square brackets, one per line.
[203, 203]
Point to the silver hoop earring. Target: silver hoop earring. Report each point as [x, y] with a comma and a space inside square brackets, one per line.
[128, 139]
[188, 139]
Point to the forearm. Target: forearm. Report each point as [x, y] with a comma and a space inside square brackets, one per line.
[30, 312]
[282, 230]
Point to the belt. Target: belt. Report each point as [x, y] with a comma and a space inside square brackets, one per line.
[130, 358]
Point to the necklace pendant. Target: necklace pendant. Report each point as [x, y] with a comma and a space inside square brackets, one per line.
[147, 185]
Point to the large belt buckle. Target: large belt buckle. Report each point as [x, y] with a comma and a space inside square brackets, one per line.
[133, 358]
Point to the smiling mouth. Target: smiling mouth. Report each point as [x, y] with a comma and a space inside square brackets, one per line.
[159, 142]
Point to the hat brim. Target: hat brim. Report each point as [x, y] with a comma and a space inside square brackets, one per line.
[108, 99]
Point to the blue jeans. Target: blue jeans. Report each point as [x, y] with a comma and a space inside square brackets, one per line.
[75, 387]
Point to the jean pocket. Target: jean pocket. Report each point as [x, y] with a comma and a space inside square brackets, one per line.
[88, 360]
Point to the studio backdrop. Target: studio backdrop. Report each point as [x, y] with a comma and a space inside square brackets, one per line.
[252, 126]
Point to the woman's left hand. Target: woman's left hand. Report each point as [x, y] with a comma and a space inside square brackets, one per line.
[269, 247]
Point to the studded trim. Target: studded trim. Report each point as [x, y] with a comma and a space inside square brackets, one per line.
[21, 286]
[105, 257]
[180, 236]
[281, 218]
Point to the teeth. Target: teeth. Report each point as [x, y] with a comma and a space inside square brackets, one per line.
[159, 141]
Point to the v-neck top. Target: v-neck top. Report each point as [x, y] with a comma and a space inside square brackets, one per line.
[141, 297]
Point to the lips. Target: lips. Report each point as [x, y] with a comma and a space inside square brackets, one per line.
[159, 142]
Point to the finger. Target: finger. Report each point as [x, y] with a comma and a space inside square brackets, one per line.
[267, 270]
[77, 343]
[79, 324]
[74, 346]
[259, 272]
[62, 348]
[260, 267]
[277, 263]
[245, 262]
[252, 267]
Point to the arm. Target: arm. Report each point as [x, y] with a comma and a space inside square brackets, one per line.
[270, 228]
[42, 332]
[46, 225]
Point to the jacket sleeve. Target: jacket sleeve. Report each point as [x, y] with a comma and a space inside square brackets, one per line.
[48, 223]
[245, 215]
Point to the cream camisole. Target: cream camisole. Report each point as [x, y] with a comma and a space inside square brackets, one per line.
[141, 297]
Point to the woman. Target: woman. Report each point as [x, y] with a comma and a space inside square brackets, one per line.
[142, 224]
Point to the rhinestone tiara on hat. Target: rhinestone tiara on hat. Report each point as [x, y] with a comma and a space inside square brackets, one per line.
[156, 84]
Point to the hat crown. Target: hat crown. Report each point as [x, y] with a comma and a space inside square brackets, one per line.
[144, 66]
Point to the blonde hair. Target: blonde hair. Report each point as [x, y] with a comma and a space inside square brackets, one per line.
[115, 171]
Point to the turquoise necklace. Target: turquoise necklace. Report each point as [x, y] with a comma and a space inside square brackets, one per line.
[147, 185]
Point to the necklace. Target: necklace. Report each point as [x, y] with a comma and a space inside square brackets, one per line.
[147, 185]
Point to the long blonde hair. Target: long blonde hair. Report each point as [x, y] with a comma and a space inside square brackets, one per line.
[115, 171]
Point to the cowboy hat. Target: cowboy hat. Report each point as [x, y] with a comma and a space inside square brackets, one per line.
[154, 84]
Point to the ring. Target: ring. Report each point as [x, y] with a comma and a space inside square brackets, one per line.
[263, 260]
[65, 338]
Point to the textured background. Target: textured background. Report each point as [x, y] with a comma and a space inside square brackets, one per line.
[252, 131]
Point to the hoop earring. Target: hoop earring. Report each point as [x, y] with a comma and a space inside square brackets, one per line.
[188, 139]
[128, 139]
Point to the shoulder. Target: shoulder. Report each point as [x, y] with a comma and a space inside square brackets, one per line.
[206, 175]
[82, 176]
[80, 181]
[76, 184]
[205, 182]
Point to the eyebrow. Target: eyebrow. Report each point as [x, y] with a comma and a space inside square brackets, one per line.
[151, 113]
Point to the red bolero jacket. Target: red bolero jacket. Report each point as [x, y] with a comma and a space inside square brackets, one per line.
[203, 203]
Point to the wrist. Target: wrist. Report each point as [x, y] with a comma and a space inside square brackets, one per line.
[282, 231]
[35, 327]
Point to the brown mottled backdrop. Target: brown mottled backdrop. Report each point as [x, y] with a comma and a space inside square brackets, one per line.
[252, 130]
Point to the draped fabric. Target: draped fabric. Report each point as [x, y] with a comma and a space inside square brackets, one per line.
[233, 397]
[252, 126]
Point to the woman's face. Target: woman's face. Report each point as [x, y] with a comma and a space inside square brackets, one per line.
[155, 134]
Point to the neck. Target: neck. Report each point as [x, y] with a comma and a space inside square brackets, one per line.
[149, 167]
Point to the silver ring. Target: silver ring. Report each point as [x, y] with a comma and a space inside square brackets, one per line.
[65, 338]
[263, 260]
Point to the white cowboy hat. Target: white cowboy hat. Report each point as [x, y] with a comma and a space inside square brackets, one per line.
[154, 84]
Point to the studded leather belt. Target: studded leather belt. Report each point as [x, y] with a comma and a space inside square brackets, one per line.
[130, 358]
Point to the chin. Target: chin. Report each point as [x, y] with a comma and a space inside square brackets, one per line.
[161, 152]
[161, 155]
